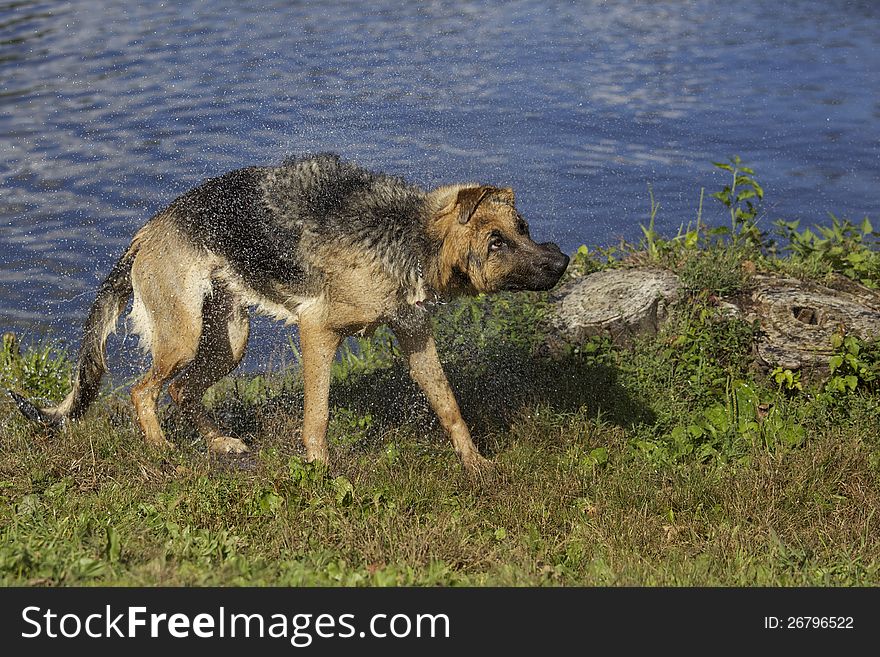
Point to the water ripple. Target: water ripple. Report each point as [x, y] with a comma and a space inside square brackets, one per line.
[112, 108]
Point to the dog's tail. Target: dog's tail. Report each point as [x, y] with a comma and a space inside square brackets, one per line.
[112, 297]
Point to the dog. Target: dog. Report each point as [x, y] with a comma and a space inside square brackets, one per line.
[316, 241]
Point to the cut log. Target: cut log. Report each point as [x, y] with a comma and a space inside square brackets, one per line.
[617, 303]
[798, 318]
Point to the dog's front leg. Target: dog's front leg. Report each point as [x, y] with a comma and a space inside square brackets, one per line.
[426, 370]
[318, 344]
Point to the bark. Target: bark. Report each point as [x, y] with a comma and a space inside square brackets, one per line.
[796, 318]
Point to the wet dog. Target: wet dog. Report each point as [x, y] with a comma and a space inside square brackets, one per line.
[318, 242]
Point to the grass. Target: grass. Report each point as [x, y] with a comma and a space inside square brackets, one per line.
[595, 486]
[676, 461]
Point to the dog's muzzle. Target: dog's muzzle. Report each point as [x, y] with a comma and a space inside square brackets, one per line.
[550, 266]
[541, 271]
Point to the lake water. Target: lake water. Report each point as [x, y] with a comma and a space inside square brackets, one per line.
[111, 109]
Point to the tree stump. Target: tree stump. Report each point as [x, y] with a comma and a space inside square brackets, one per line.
[798, 318]
[617, 303]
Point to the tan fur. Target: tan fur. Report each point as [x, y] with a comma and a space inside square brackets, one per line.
[426, 370]
[495, 211]
[189, 325]
[190, 311]
[454, 239]
[358, 291]
[319, 343]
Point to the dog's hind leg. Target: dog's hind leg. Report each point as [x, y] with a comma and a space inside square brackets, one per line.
[221, 346]
[167, 314]
[173, 348]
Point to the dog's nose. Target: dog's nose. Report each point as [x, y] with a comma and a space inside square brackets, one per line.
[556, 259]
[563, 262]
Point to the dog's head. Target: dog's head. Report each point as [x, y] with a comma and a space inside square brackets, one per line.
[486, 246]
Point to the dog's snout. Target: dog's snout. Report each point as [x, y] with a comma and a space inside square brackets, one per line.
[547, 267]
[555, 258]
[563, 261]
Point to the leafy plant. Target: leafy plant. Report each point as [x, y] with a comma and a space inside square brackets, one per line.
[584, 261]
[704, 348]
[484, 329]
[41, 371]
[726, 428]
[742, 198]
[659, 249]
[855, 365]
[652, 240]
[843, 247]
[349, 428]
[787, 380]
[364, 355]
[716, 269]
[306, 474]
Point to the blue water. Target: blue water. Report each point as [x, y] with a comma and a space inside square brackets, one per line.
[111, 109]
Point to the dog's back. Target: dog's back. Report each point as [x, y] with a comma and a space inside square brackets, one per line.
[270, 223]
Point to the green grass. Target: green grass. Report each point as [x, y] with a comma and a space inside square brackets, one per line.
[676, 461]
[597, 482]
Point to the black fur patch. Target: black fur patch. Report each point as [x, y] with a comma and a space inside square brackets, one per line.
[229, 216]
[266, 220]
[32, 412]
[326, 201]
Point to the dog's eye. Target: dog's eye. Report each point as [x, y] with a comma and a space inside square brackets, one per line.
[496, 244]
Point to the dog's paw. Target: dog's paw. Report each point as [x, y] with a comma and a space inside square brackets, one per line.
[477, 466]
[160, 444]
[318, 456]
[226, 445]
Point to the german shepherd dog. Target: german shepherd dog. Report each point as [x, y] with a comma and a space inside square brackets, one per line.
[318, 242]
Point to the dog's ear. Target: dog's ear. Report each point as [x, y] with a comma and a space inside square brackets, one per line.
[468, 199]
[463, 201]
[503, 195]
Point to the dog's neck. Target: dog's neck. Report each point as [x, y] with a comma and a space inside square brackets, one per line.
[425, 295]
[444, 269]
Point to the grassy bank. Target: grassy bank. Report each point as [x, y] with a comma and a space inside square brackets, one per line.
[675, 461]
